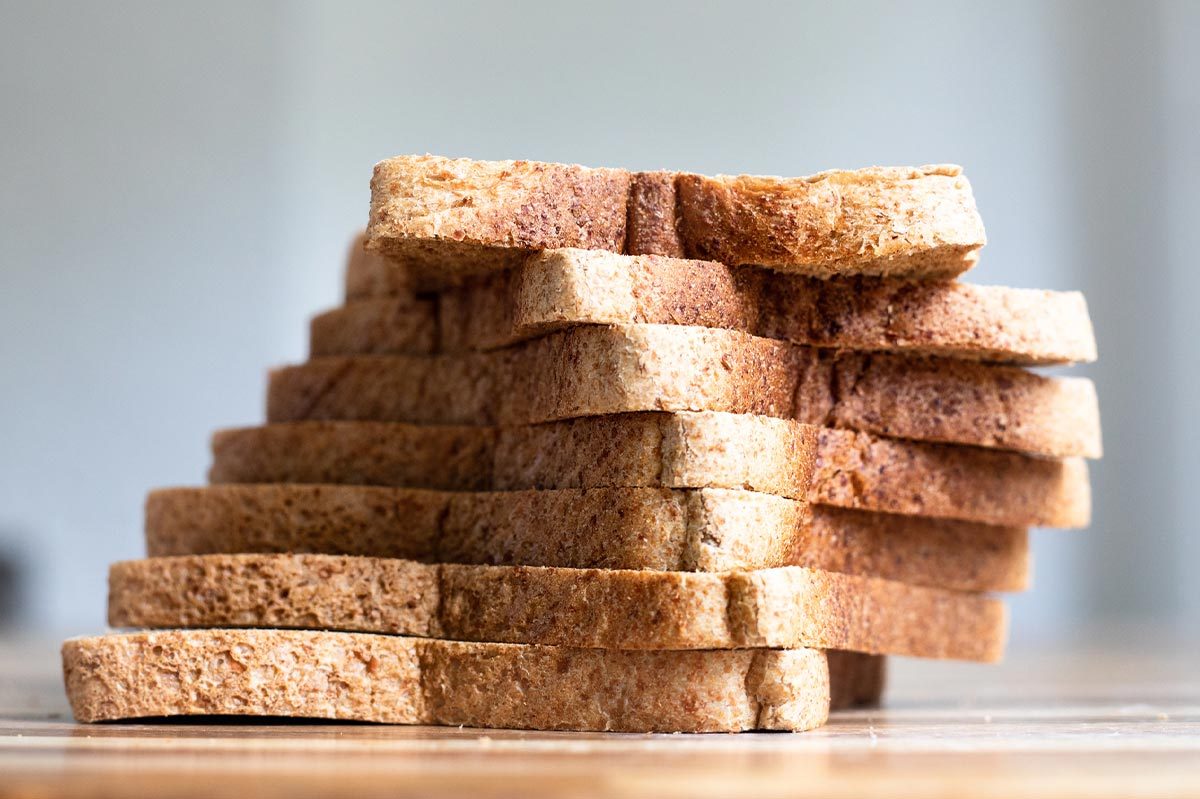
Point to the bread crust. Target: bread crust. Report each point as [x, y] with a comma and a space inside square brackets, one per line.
[397, 680]
[561, 288]
[480, 216]
[597, 370]
[672, 450]
[592, 608]
[705, 530]
[453, 217]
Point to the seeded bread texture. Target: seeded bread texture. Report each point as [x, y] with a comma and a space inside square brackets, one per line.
[450, 217]
[597, 370]
[652, 529]
[392, 679]
[672, 450]
[561, 288]
[776, 608]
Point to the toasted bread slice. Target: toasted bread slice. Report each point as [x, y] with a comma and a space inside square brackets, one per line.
[561, 288]
[597, 370]
[450, 217]
[392, 679]
[594, 608]
[672, 450]
[623, 528]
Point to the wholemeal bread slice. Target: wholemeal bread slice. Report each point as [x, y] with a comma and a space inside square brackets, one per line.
[628, 528]
[392, 679]
[597, 370]
[450, 217]
[369, 274]
[560, 288]
[672, 450]
[776, 608]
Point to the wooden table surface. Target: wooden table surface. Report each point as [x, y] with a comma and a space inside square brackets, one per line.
[1084, 722]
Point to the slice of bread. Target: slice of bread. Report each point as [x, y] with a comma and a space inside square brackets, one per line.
[673, 450]
[593, 608]
[560, 288]
[450, 217]
[392, 679]
[624, 528]
[597, 370]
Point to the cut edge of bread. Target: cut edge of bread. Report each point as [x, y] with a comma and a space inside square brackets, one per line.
[398, 680]
[785, 608]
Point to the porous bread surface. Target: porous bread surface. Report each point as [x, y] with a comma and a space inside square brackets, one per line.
[858, 470]
[918, 222]
[463, 217]
[672, 450]
[597, 370]
[639, 528]
[560, 288]
[780, 608]
[942, 553]
[650, 529]
[451, 217]
[393, 679]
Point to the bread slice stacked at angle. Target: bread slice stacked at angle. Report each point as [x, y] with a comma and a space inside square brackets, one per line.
[453, 217]
[555, 289]
[636, 528]
[820, 465]
[599, 450]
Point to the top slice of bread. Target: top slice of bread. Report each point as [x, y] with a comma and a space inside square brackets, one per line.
[451, 217]
[398, 680]
[595, 370]
[559, 288]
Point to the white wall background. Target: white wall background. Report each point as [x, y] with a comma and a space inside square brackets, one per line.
[178, 183]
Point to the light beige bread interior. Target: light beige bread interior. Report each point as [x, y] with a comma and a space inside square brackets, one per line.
[594, 608]
[399, 680]
[650, 529]
[598, 370]
[673, 450]
[450, 217]
[555, 289]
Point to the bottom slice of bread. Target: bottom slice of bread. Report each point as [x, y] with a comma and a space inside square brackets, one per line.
[354, 676]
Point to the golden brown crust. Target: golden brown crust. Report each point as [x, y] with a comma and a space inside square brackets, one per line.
[391, 679]
[880, 221]
[680, 450]
[596, 370]
[780, 608]
[652, 219]
[858, 470]
[650, 529]
[561, 288]
[448, 218]
[455, 216]
[940, 553]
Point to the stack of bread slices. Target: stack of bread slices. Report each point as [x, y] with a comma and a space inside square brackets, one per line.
[597, 450]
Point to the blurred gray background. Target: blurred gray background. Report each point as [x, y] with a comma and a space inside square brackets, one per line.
[178, 184]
